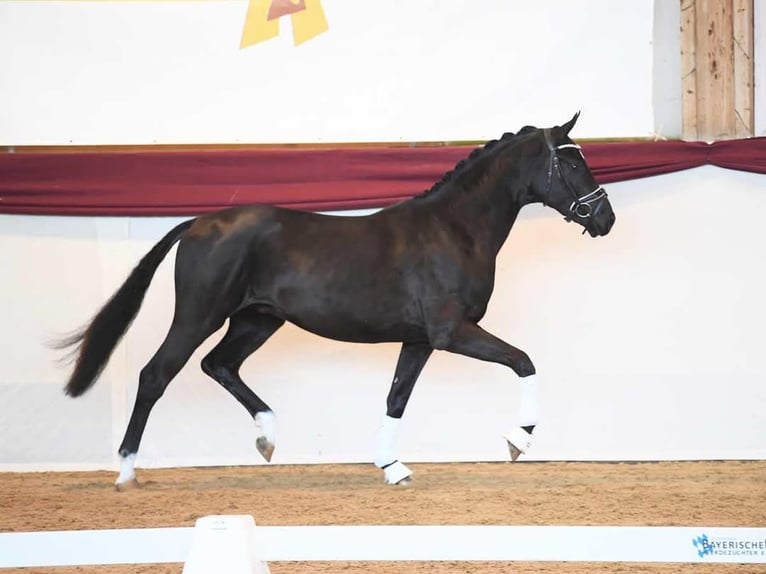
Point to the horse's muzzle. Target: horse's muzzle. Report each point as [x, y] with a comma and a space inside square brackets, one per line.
[600, 226]
[607, 225]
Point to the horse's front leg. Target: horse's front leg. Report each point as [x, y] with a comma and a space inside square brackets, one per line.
[412, 359]
[471, 340]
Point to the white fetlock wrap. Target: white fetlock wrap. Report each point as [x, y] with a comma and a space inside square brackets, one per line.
[127, 469]
[266, 433]
[520, 439]
[528, 413]
[396, 473]
[384, 441]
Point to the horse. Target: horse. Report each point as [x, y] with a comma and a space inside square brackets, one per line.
[419, 273]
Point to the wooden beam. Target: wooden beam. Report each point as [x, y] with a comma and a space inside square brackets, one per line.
[717, 69]
[744, 68]
[689, 69]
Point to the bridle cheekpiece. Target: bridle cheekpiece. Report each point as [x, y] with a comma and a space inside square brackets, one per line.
[581, 206]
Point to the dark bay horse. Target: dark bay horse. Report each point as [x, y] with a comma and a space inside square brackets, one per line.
[420, 273]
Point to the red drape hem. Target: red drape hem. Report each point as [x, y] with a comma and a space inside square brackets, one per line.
[194, 182]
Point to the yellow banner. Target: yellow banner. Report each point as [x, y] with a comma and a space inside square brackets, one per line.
[262, 21]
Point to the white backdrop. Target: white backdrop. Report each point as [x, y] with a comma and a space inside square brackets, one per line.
[172, 72]
[648, 342]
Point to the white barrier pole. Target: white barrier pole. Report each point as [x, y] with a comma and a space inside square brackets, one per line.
[396, 543]
[225, 544]
[92, 547]
[510, 543]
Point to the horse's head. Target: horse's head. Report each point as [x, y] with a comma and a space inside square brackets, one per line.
[567, 184]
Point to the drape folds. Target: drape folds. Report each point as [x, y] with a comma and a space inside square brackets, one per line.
[192, 182]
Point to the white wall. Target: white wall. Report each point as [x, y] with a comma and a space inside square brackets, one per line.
[647, 341]
[149, 72]
[172, 72]
[649, 345]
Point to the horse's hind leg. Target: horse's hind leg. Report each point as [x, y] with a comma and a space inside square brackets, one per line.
[248, 330]
[412, 359]
[179, 344]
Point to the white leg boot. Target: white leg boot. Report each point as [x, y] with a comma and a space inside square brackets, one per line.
[393, 470]
[520, 437]
[266, 433]
[127, 478]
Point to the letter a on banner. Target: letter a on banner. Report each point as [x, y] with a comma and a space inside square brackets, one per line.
[262, 20]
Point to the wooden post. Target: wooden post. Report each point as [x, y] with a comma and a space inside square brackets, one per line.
[744, 68]
[717, 69]
[689, 69]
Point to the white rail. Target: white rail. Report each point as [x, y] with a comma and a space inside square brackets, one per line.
[395, 543]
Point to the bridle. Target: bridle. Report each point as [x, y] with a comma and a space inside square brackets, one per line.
[581, 206]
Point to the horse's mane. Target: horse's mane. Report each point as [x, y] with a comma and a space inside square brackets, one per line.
[473, 157]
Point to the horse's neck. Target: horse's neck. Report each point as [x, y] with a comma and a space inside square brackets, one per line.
[488, 209]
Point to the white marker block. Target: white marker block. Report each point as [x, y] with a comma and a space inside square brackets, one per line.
[224, 544]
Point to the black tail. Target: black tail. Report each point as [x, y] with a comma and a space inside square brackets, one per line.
[96, 341]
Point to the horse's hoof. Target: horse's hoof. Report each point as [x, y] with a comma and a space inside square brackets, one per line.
[131, 484]
[519, 440]
[265, 447]
[407, 481]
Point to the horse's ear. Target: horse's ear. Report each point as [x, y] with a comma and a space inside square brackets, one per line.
[567, 127]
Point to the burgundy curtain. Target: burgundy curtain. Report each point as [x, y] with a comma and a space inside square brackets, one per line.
[193, 182]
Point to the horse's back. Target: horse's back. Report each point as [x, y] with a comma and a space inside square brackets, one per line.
[343, 277]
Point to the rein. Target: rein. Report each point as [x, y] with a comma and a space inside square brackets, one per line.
[582, 206]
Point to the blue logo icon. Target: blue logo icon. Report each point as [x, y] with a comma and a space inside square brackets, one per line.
[702, 545]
